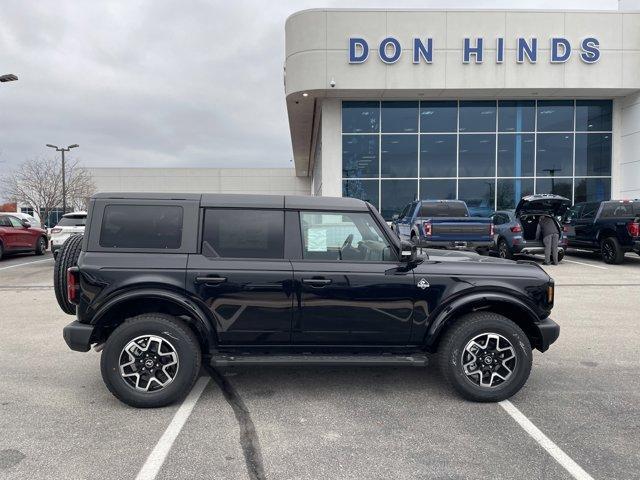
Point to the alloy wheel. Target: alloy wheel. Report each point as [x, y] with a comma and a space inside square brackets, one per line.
[502, 250]
[148, 363]
[488, 360]
[607, 250]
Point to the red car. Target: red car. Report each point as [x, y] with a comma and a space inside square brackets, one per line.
[17, 236]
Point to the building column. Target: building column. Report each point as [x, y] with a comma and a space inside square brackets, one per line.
[626, 148]
[331, 148]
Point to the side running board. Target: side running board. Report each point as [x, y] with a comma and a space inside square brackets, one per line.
[227, 360]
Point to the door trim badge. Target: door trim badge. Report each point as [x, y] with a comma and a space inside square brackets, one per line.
[422, 284]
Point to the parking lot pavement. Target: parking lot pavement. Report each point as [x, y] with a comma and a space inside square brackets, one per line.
[59, 421]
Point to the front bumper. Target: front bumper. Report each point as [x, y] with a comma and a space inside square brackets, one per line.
[78, 336]
[548, 331]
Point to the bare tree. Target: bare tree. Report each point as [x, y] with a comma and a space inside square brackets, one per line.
[38, 183]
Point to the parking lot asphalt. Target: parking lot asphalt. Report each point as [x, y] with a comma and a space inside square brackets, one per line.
[59, 421]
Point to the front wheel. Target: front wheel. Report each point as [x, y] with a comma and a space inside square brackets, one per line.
[151, 360]
[485, 357]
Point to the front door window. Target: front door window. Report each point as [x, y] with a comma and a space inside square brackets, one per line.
[352, 236]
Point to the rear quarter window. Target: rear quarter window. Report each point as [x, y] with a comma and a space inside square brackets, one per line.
[142, 226]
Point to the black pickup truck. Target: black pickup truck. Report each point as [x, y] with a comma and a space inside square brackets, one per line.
[163, 282]
[610, 227]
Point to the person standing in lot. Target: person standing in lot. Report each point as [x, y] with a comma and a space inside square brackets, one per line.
[549, 230]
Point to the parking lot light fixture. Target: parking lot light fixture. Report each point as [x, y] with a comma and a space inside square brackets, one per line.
[9, 77]
[64, 185]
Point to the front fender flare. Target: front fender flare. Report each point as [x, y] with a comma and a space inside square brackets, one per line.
[202, 322]
[477, 300]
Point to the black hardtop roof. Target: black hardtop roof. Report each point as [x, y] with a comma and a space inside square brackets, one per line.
[232, 200]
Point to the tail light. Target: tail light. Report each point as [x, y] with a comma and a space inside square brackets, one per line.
[634, 229]
[427, 228]
[56, 230]
[73, 284]
[516, 229]
[491, 230]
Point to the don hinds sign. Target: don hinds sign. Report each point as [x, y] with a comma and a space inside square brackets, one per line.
[389, 50]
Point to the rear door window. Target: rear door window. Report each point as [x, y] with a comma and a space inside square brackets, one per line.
[237, 233]
[142, 226]
[589, 210]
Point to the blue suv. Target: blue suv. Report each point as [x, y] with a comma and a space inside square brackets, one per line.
[515, 230]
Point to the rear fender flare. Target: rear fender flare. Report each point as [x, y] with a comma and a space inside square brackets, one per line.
[202, 322]
[476, 301]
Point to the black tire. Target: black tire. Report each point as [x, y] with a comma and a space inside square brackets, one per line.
[178, 335]
[611, 251]
[452, 347]
[560, 255]
[67, 258]
[504, 250]
[41, 246]
[1, 250]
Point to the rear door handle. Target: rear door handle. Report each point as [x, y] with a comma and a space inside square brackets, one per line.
[316, 282]
[211, 280]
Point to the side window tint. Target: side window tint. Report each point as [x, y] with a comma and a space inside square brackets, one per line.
[15, 223]
[589, 210]
[343, 236]
[4, 222]
[234, 233]
[141, 226]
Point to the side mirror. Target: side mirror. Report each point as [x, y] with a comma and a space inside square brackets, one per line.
[26, 224]
[395, 217]
[408, 252]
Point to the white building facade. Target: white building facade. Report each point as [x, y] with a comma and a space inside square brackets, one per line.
[485, 105]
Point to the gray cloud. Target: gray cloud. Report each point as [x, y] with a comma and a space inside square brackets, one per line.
[159, 82]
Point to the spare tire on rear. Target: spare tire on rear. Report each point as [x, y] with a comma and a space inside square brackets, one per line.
[67, 258]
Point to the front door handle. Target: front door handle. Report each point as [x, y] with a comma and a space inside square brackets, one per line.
[211, 280]
[316, 282]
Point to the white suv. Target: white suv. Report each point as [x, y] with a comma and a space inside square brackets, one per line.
[69, 224]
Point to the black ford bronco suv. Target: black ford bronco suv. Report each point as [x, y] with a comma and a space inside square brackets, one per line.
[163, 282]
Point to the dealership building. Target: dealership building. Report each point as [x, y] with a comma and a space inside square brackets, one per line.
[485, 105]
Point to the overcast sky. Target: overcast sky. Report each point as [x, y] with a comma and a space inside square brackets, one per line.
[162, 83]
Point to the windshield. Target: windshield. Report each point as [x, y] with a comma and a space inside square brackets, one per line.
[72, 222]
[443, 209]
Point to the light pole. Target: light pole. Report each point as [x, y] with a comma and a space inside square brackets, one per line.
[9, 77]
[64, 184]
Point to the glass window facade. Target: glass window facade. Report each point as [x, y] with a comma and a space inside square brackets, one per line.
[489, 153]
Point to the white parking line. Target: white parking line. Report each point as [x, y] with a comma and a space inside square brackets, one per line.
[157, 457]
[26, 263]
[552, 449]
[587, 264]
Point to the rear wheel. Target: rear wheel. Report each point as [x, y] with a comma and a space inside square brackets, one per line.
[41, 246]
[1, 250]
[151, 360]
[485, 357]
[504, 251]
[67, 258]
[611, 250]
[560, 255]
